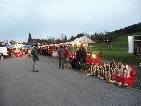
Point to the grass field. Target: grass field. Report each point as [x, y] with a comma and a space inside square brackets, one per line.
[118, 52]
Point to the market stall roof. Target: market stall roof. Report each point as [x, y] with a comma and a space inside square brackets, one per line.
[9, 46]
[83, 39]
[51, 45]
[27, 46]
[56, 44]
[67, 43]
[61, 43]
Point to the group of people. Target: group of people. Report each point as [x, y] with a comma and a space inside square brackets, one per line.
[63, 55]
[80, 58]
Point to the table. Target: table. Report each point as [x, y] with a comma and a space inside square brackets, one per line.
[94, 61]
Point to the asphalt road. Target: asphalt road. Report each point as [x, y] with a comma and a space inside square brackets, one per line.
[52, 86]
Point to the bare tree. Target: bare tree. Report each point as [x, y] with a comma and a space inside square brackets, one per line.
[109, 38]
[13, 42]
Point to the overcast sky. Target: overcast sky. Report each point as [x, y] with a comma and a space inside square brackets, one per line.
[53, 18]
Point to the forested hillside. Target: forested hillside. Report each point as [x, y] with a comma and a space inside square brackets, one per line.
[129, 30]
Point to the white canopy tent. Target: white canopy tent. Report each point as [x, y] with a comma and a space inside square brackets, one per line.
[83, 40]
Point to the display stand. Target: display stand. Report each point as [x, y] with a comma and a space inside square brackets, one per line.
[50, 53]
[126, 80]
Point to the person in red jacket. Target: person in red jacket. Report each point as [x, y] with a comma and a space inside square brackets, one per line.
[67, 53]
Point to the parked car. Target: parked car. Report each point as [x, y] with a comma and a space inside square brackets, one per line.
[3, 52]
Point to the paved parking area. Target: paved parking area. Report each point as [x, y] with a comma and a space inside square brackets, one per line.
[52, 86]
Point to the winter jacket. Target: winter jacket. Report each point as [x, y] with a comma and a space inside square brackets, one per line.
[84, 53]
[35, 54]
[61, 53]
[67, 52]
[79, 53]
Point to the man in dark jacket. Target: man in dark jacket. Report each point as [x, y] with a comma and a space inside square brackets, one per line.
[79, 55]
[84, 55]
[61, 55]
[35, 58]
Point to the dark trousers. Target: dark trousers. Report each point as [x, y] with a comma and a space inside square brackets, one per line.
[61, 63]
[79, 62]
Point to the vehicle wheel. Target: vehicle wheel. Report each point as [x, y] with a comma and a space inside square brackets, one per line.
[2, 57]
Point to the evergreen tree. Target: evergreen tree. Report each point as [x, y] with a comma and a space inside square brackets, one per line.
[29, 39]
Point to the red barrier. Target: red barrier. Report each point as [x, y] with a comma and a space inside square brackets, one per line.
[19, 54]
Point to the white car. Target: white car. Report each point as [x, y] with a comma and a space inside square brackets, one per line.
[3, 52]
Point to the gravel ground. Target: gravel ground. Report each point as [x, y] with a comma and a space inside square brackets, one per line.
[137, 81]
[52, 86]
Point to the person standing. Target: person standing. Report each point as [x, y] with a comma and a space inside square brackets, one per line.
[79, 56]
[61, 55]
[67, 54]
[84, 55]
[35, 58]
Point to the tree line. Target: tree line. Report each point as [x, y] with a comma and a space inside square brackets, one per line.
[107, 37]
[129, 30]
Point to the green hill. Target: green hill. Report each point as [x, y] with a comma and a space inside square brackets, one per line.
[118, 52]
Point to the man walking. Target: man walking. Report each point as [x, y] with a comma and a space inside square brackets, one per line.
[61, 55]
[35, 58]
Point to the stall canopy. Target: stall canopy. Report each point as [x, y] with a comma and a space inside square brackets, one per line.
[9, 46]
[27, 46]
[84, 40]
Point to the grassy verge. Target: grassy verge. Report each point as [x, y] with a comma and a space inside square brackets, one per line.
[118, 52]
